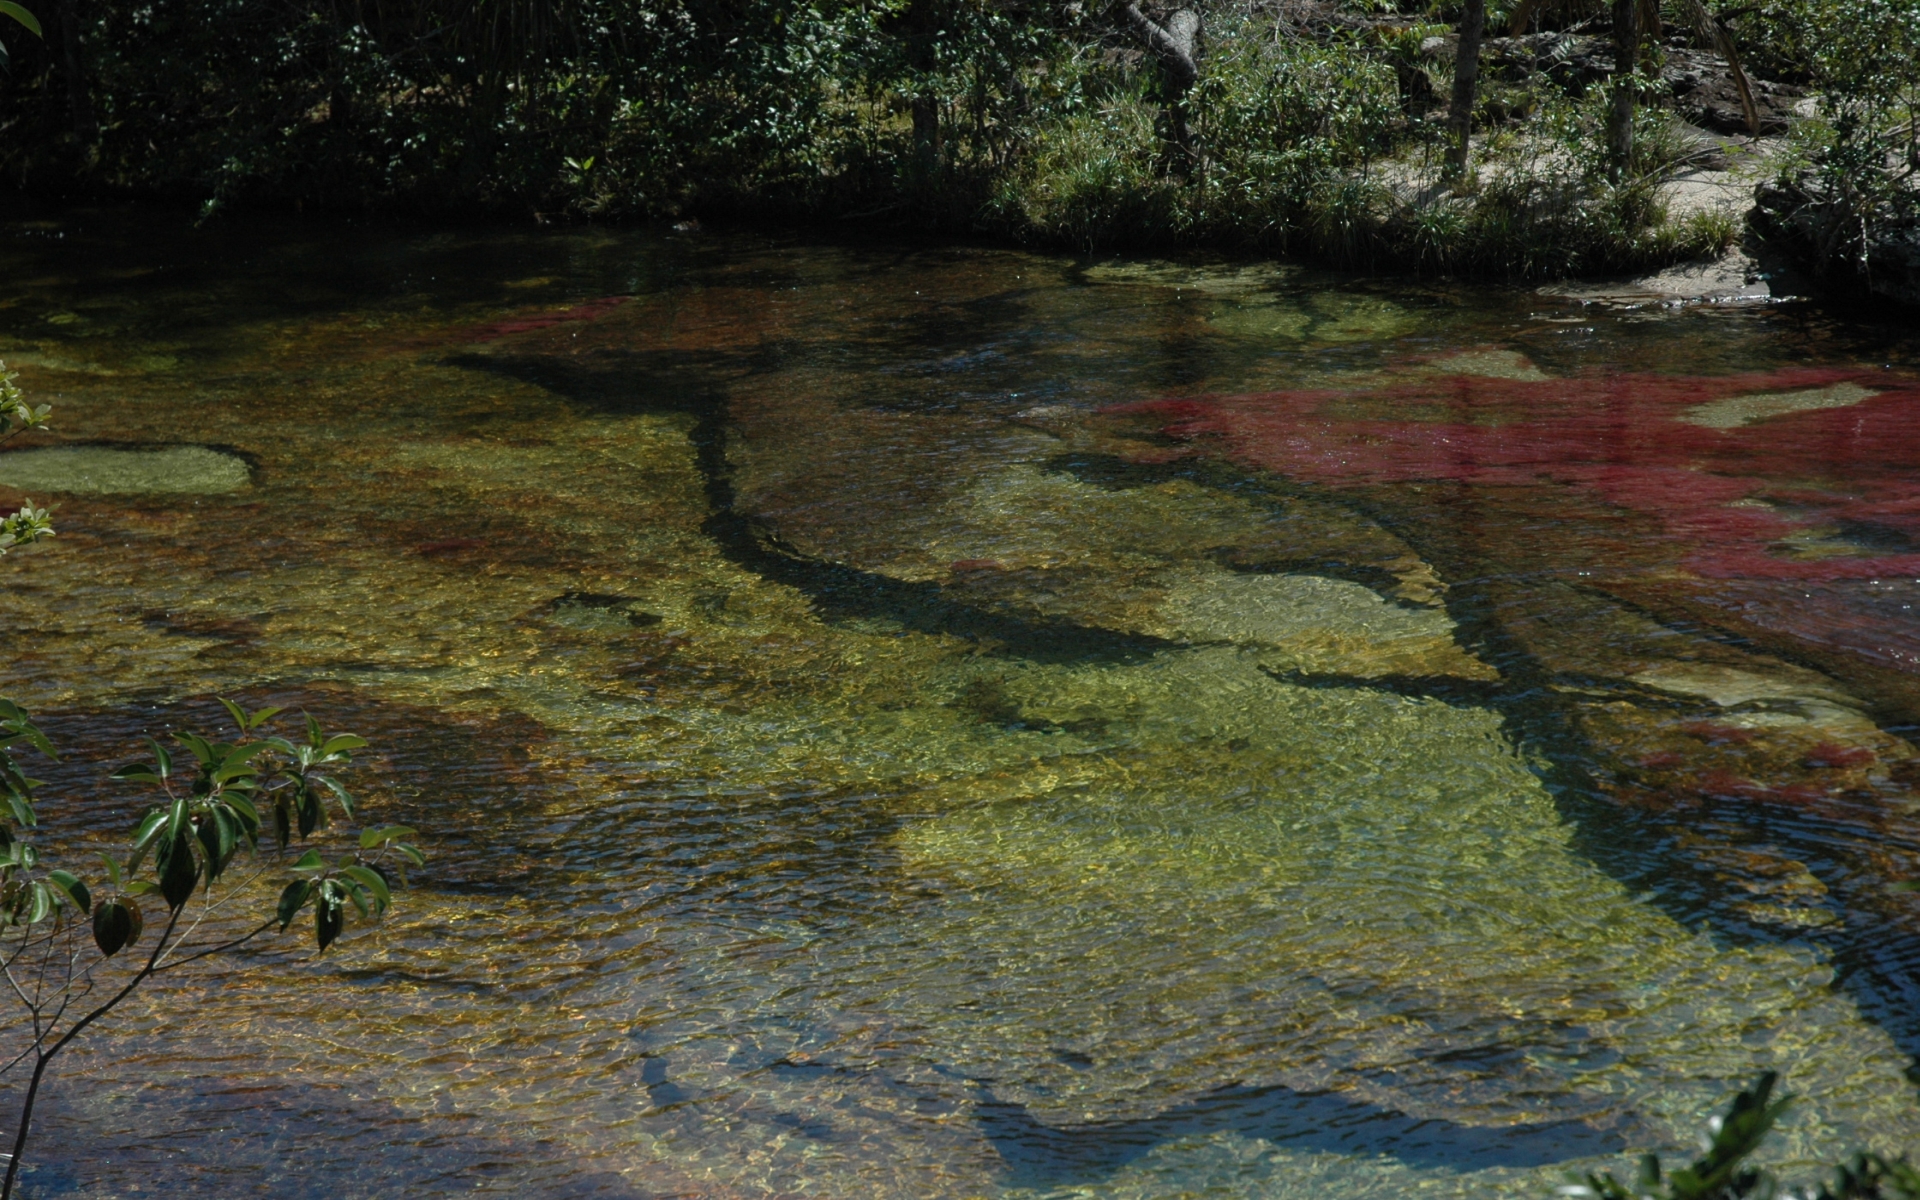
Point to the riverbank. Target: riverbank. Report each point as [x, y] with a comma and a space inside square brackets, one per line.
[1311, 129]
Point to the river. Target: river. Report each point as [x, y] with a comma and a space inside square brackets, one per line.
[898, 719]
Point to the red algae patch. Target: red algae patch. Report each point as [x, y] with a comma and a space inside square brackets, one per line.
[1627, 441]
[590, 311]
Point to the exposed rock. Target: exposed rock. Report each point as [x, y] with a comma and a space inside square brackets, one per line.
[1699, 83]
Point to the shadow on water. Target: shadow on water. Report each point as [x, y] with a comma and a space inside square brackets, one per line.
[1040, 1155]
[838, 591]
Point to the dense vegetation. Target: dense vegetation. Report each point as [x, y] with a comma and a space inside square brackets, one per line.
[1314, 125]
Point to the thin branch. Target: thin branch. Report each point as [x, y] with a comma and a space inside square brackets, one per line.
[239, 941]
[207, 907]
[79, 1027]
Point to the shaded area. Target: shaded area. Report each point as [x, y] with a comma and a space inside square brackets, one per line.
[626, 384]
[1039, 1155]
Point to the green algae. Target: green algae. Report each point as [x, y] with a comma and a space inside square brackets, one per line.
[1320, 318]
[183, 470]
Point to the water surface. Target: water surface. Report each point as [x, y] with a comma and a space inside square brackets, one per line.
[901, 720]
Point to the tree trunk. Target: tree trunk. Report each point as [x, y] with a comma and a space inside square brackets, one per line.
[79, 102]
[1466, 81]
[1626, 57]
[1175, 47]
[926, 135]
[923, 27]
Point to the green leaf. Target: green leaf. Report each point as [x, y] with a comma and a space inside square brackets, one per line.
[264, 715]
[202, 749]
[179, 871]
[1719, 1171]
[339, 742]
[150, 828]
[150, 825]
[207, 833]
[328, 917]
[339, 793]
[292, 900]
[9, 8]
[413, 854]
[238, 714]
[113, 869]
[310, 861]
[382, 894]
[244, 810]
[369, 838]
[312, 814]
[137, 773]
[112, 929]
[236, 762]
[22, 811]
[162, 759]
[75, 890]
[40, 902]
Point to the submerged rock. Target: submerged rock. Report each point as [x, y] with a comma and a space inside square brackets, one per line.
[189, 470]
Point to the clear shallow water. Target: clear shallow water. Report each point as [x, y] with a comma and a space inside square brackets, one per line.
[950, 722]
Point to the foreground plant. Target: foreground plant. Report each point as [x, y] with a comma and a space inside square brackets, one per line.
[60, 939]
[29, 524]
[1723, 1171]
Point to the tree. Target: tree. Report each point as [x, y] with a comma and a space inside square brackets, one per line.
[1635, 23]
[1627, 33]
[1175, 46]
[1466, 77]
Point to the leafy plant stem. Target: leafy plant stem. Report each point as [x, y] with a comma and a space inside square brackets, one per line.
[42, 1058]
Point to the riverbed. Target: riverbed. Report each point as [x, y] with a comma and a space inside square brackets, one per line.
[899, 719]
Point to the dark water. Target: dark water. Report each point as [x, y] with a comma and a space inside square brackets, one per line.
[940, 721]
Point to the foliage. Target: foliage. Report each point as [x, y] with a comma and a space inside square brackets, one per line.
[1307, 149]
[201, 839]
[1724, 1170]
[29, 524]
[16, 415]
[1045, 122]
[22, 17]
[1857, 178]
